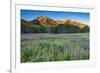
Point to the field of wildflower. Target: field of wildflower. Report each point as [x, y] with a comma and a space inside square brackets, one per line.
[54, 47]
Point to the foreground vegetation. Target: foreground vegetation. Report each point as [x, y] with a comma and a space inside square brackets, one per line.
[66, 47]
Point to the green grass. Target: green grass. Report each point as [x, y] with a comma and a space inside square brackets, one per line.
[69, 47]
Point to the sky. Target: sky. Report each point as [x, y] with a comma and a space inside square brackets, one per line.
[76, 16]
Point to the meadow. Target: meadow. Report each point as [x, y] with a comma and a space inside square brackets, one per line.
[54, 47]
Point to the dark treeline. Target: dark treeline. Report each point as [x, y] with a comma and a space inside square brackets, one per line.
[61, 28]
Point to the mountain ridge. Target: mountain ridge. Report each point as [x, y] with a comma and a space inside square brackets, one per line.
[43, 24]
[46, 21]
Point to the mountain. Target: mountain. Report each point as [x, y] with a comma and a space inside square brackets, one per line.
[48, 22]
[45, 21]
[43, 24]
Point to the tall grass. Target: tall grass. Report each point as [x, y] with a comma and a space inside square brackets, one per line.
[55, 49]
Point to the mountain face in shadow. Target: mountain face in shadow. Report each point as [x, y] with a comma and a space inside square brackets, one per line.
[44, 24]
